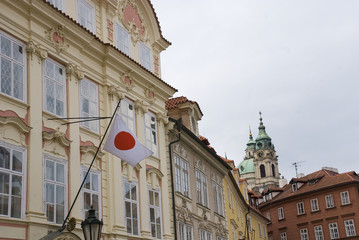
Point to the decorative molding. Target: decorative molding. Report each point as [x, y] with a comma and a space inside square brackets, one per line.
[56, 136]
[57, 36]
[92, 150]
[221, 230]
[127, 80]
[16, 121]
[200, 166]
[72, 69]
[33, 48]
[179, 149]
[133, 20]
[150, 94]
[216, 178]
[204, 221]
[162, 117]
[109, 29]
[141, 106]
[111, 7]
[156, 171]
[183, 213]
[234, 224]
[113, 91]
[8, 133]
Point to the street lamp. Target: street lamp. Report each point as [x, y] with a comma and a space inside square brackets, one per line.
[91, 226]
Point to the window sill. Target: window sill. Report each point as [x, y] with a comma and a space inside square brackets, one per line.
[344, 205]
[302, 214]
[315, 211]
[282, 219]
[328, 208]
[218, 215]
[203, 206]
[179, 194]
[13, 101]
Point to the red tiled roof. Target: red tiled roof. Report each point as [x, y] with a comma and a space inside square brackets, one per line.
[204, 140]
[226, 160]
[174, 102]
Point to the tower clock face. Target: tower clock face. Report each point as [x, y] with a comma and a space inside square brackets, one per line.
[260, 154]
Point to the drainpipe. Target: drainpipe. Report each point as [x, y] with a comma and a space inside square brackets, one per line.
[179, 128]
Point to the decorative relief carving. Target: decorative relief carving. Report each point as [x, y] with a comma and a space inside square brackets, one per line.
[127, 80]
[33, 48]
[216, 178]
[72, 69]
[162, 118]
[150, 94]
[110, 30]
[111, 7]
[87, 154]
[113, 91]
[57, 36]
[132, 18]
[221, 230]
[204, 221]
[55, 139]
[141, 106]
[183, 212]
[156, 63]
[179, 149]
[200, 166]
[14, 129]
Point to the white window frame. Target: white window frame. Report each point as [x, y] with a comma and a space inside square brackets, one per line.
[11, 172]
[157, 213]
[250, 229]
[92, 191]
[182, 175]
[260, 229]
[283, 236]
[127, 114]
[131, 202]
[314, 204]
[304, 234]
[300, 208]
[318, 231]
[57, 83]
[280, 213]
[90, 18]
[64, 184]
[151, 134]
[268, 216]
[344, 196]
[349, 227]
[14, 61]
[202, 188]
[218, 198]
[145, 56]
[333, 230]
[294, 187]
[59, 4]
[329, 201]
[122, 39]
[205, 235]
[92, 97]
[185, 231]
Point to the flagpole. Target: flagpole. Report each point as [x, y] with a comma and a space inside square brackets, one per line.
[88, 170]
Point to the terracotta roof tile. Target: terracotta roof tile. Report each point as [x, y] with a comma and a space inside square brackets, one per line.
[174, 102]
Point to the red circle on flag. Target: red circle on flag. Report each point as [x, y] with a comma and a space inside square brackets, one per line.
[124, 141]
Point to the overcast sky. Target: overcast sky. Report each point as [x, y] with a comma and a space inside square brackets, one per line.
[295, 61]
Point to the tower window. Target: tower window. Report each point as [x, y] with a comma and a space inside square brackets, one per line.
[263, 170]
[273, 170]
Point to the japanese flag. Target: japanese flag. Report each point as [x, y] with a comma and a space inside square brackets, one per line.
[122, 143]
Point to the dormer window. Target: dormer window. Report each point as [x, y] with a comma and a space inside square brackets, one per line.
[294, 187]
[194, 125]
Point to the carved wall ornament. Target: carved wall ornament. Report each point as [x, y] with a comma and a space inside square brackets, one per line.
[180, 150]
[221, 230]
[216, 178]
[132, 18]
[156, 63]
[109, 30]
[150, 94]
[33, 48]
[183, 212]
[141, 106]
[111, 7]
[162, 118]
[200, 166]
[57, 36]
[204, 221]
[74, 70]
[87, 154]
[127, 80]
[113, 91]
[55, 142]
[13, 128]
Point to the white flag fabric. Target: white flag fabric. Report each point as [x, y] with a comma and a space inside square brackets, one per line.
[122, 143]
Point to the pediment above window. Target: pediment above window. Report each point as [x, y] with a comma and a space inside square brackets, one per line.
[12, 128]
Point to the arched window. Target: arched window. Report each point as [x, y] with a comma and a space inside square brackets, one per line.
[263, 170]
[273, 170]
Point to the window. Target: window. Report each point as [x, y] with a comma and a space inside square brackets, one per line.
[123, 39]
[234, 232]
[181, 171]
[12, 180]
[264, 231]
[55, 189]
[273, 170]
[280, 213]
[349, 227]
[57, 3]
[268, 216]
[283, 236]
[329, 201]
[318, 231]
[218, 198]
[262, 170]
[145, 57]
[128, 114]
[249, 224]
[155, 213]
[333, 229]
[300, 208]
[86, 15]
[13, 67]
[260, 229]
[345, 197]
[54, 88]
[91, 193]
[131, 207]
[205, 235]
[185, 231]
[151, 132]
[89, 103]
[304, 234]
[294, 187]
[202, 189]
[314, 204]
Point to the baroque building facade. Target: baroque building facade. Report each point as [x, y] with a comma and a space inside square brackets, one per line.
[64, 59]
[260, 164]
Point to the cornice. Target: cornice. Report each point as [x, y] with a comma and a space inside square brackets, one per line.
[17, 122]
[56, 136]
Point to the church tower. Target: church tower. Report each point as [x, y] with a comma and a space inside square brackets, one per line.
[260, 165]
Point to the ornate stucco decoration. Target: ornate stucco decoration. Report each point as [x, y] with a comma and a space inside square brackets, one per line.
[179, 149]
[87, 154]
[150, 94]
[154, 176]
[111, 7]
[36, 49]
[204, 221]
[221, 230]
[113, 91]
[200, 166]
[74, 70]
[216, 178]
[109, 29]
[61, 236]
[57, 36]
[132, 18]
[141, 106]
[127, 80]
[13, 128]
[162, 118]
[53, 139]
[129, 171]
[183, 213]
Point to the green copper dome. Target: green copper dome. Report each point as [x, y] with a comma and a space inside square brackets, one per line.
[263, 140]
[246, 166]
[251, 144]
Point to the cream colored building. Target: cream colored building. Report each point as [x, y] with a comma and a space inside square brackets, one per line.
[77, 58]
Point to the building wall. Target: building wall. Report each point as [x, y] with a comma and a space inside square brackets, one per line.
[45, 34]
